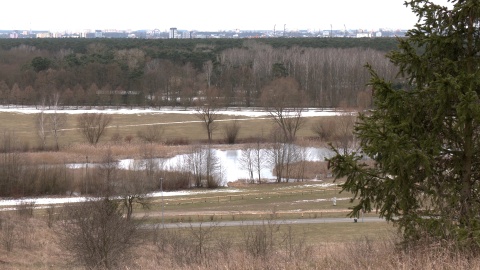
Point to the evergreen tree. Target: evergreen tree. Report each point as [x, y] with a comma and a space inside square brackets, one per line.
[423, 140]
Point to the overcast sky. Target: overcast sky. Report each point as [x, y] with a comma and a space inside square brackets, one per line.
[211, 15]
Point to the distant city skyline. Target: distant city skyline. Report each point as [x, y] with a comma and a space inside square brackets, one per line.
[207, 15]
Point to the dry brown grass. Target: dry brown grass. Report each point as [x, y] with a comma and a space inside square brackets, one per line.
[312, 169]
[360, 254]
[122, 140]
[35, 246]
[183, 127]
[39, 247]
[386, 254]
[77, 153]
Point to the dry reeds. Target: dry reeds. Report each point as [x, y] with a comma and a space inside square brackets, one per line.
[28, 243]
[35, 245]
[386, 254]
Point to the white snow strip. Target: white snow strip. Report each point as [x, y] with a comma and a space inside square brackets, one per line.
[49, 201]
[249, 112]
[321, 200]
[310, 186]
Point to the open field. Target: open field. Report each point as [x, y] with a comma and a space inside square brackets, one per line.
[272, 203]
[281, 201]
[301, 246]
[37, 246]
[176, 126]
[289, 200]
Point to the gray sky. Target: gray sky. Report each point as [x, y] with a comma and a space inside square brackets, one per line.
[211, 15]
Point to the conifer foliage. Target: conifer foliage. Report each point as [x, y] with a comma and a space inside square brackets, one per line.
[424, 138]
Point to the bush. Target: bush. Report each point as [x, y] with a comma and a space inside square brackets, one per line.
[17, 231]
[337, 130]
[98, 235]
[231, 132]
[260, 240]
[177, 141]
[175, 180]
[151, 134]
[324, 128]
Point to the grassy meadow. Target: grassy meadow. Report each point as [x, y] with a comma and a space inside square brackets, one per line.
[175, 127]
[35, 238]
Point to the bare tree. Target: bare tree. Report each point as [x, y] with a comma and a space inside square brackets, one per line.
[205, 166]
[195, 164]
[98, 235]
[252, 159]
[191, 246]
[42, 130]
[149, 164]
[247, 160]
[132, 190]
[202, 235]
[300, 165]
[261, 240]
[344, 137]
[277, 154]
[258, 159]
[285, 104]
[135, 182]
[49, 124]
[108, 175]
[12, 166]
[213, 169]
[281, 155]
[208, 69]
[57, 121]
[92, 126]
[207, 110]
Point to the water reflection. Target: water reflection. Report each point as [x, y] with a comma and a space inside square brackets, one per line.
[229, 162]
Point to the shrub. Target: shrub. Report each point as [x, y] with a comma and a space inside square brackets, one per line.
[98, 235]
[231, 131]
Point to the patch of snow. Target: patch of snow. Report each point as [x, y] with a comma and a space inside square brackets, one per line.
[186, 192]
[320, 185]
[324, 185]
[63, 200]
[42, 201]
[248, 112]
[321, 200]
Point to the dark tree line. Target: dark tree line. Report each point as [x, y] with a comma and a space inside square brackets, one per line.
[215, 45]
[160, 72]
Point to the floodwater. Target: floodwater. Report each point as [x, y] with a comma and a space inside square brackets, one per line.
[230, 162]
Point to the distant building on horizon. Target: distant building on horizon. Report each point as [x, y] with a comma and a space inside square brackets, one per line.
[98, 34]
[173, 33]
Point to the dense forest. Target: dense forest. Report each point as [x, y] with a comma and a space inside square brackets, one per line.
[176, 72]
